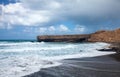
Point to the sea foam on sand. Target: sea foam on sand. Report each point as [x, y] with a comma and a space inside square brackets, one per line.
[23, 58]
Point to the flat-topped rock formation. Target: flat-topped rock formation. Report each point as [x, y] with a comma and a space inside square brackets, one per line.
[63, 38]
[99, 36]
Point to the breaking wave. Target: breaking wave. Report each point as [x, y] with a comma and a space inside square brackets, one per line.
[22, 58]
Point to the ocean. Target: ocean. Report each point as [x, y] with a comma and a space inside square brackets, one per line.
[20, 58]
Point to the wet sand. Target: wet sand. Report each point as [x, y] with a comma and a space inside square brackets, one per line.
[102, 66]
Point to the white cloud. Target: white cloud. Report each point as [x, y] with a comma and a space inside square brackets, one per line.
[63, 28]
[47, 12]
[42, 30]
[51, 29]
[14, 8]
[60, 29]
[16, 14]
[54, 5]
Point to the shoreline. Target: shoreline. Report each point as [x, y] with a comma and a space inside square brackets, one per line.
[101, 66]
[29, 63]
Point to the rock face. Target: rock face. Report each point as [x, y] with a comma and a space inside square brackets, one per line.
[105, 36]
[99, 36]
[63, 38]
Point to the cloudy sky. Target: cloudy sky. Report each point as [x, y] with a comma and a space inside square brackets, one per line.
[25, 19]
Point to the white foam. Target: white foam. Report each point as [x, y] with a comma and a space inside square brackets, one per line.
[26, 47]
[91, 54]
[31, 57]
[20, 66]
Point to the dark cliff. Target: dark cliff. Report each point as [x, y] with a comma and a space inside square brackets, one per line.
[63, 38]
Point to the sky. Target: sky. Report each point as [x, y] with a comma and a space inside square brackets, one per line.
[26, 19]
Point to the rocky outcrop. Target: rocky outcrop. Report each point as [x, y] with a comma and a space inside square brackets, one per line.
[99, 36]
[112, 37]
[63, 38]
[105, 36]
[115, 47]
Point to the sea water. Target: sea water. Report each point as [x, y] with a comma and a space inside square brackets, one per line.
[19, 58]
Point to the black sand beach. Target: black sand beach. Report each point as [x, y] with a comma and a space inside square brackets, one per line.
[102, 66]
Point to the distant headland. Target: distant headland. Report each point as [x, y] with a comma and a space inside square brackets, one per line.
[99, 36]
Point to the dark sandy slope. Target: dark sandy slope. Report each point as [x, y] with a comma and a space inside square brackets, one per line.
[102, 66]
